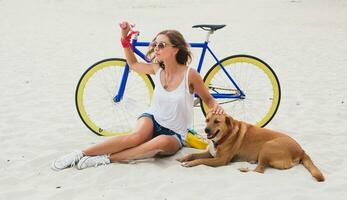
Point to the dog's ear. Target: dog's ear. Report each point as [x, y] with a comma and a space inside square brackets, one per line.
[228, 120]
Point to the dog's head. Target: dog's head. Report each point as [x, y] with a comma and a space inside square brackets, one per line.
[217, 126]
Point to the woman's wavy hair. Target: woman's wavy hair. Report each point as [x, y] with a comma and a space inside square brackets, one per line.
[183, 55]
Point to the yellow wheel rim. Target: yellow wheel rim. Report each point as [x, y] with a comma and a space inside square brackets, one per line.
[80, 98]
[265, 69]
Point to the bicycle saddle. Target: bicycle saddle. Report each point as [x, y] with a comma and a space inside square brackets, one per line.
[208, 27]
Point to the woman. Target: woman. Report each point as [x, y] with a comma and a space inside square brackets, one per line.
[162, 130]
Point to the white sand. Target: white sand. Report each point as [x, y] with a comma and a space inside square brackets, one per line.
[45, 46]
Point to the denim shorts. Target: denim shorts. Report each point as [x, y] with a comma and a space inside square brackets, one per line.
[160, 130]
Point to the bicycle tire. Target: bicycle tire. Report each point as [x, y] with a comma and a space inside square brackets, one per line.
[256, 79]
[95, 92]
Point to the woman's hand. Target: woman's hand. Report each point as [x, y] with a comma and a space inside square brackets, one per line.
[217, 109]
[125, 28]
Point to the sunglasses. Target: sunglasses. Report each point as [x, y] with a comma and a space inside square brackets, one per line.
[160, 45]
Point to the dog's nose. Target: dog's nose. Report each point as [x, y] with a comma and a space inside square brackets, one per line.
[207, 130]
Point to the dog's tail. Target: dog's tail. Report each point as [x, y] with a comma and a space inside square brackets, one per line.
[307, 162]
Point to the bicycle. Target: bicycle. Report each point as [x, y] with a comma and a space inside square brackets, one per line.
[109, 96]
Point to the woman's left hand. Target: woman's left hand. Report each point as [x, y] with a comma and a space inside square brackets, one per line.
[217, 109]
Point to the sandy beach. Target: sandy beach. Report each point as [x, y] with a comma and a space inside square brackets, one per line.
[46, 45]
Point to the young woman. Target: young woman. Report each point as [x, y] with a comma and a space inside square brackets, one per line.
[161, 130]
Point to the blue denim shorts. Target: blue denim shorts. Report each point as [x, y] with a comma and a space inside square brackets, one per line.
[160, 130]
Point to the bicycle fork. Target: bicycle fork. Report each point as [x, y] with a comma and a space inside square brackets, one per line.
[121, 89]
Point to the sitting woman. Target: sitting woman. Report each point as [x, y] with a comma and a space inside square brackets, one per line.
[161, 130]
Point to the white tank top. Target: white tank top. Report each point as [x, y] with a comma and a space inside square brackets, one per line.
[174, 109]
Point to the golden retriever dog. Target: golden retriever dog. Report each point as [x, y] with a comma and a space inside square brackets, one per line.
[230, 139]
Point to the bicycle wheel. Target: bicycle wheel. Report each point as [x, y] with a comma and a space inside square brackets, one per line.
[258, 82]
[97, 88]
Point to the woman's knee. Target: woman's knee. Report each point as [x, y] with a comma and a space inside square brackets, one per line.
[142, 133]
[167, 144]
[138, 138]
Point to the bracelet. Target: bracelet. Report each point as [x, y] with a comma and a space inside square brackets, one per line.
[126, 43]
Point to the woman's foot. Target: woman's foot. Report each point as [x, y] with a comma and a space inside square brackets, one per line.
[66, 161]
[93, 161]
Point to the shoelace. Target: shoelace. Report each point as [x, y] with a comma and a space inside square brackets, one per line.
[76, 158]
[74, 161]
[100, 160]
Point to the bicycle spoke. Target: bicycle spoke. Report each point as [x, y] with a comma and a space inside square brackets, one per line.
[254, 79]
[98, 109]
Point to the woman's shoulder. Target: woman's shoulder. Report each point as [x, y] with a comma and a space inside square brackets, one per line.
[192, 73]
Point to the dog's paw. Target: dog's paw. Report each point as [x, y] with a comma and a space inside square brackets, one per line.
[184, 158]
[187, 164]
[192, 163]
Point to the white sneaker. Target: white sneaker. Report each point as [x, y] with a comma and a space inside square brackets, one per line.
[93, 161]
[66, 161]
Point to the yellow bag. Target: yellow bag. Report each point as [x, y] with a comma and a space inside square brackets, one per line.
[194, 140]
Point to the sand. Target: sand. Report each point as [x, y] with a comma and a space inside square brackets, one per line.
[45, 46]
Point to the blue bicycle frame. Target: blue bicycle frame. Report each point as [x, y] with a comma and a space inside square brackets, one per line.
[240, 94]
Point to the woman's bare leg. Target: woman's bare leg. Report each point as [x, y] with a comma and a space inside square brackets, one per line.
[141, 134]
[163, 145]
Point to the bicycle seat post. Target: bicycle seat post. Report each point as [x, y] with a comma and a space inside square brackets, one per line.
[208, 35]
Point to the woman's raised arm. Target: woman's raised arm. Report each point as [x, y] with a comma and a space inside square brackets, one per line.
[139, 67]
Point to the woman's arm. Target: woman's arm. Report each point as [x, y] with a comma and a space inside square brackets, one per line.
[130, 56]
[199, 87]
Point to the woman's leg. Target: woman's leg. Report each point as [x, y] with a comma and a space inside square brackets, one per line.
[141, 134]
[162, 145]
